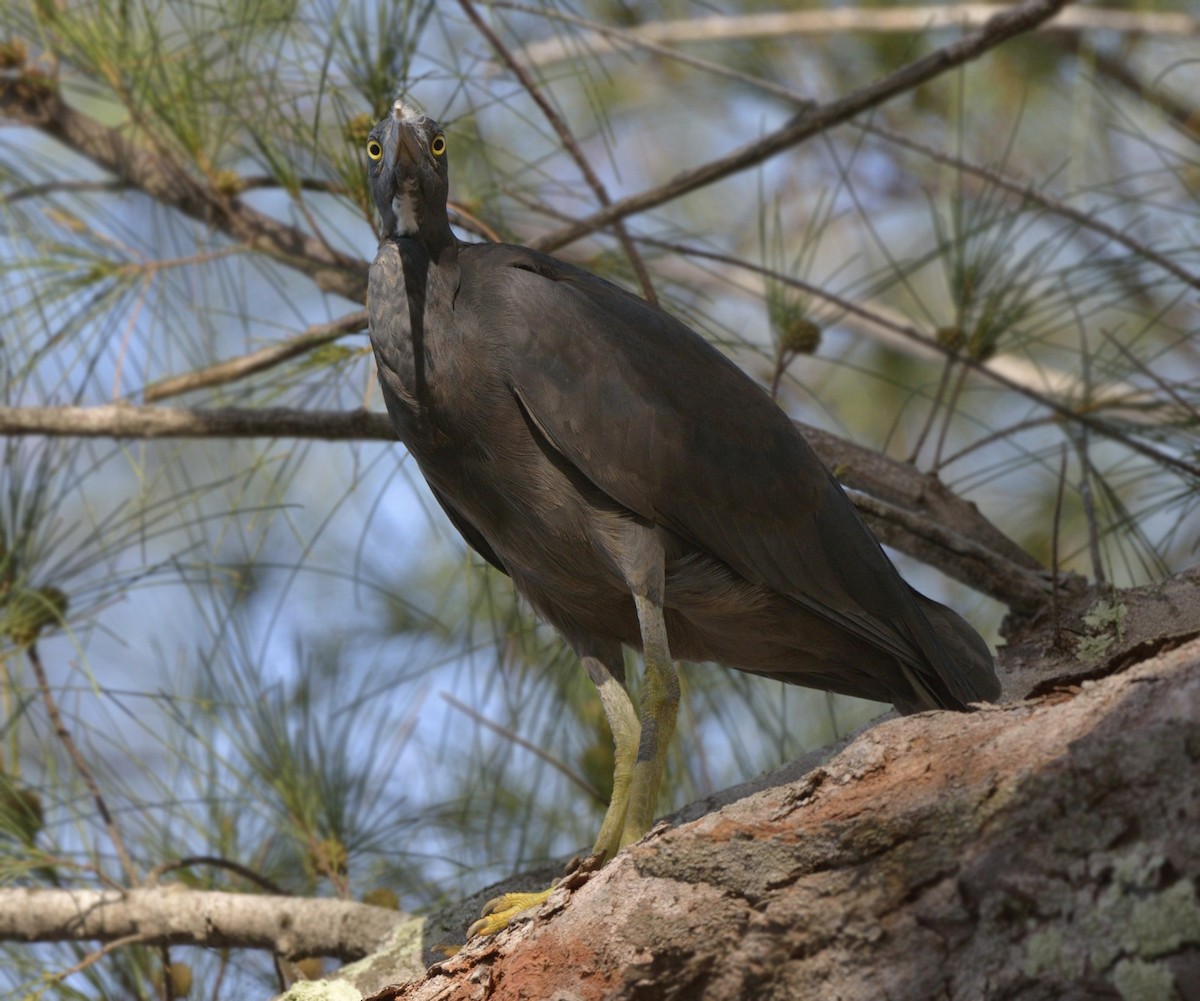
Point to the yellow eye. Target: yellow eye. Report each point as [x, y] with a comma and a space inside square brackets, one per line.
[374, 150]
[437, 145]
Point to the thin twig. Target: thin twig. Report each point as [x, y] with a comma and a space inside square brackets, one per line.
[160, 870]
[567, 138]
[995, 436]
[258, 181]
[1056, 525]
[934, 405]
[1119, 72]
[257, 361]
[60, 187]
[472, 223]
[936, 466]
[1024, 190]
[1009, 23]
[911, 333]
[80, 762]
[93, 957]
[520, 741]
[1089, 508]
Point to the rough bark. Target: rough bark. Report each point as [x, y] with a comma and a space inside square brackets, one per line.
[1044, 848]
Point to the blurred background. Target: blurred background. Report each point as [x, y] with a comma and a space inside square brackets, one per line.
[272, 648]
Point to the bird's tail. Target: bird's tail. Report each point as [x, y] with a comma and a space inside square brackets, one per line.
[970, 674]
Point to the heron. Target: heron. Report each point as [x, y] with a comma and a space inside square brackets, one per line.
[638, 488]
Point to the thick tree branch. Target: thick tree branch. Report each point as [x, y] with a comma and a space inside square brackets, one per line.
[1007, 24]
[1037, 850]
[293, 927]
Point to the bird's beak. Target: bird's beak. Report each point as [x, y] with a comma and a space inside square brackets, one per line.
[408, 147]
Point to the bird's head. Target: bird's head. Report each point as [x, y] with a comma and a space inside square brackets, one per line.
[407, 172]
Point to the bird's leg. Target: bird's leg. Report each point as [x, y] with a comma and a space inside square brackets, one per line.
[659, 704]
[626, 731]
[606, 672]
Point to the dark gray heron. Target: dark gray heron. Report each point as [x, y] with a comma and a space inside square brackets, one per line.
[639, 489]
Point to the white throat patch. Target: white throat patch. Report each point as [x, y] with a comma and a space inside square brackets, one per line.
[406, 216]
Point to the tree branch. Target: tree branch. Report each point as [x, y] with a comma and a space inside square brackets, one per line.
[719, 28]
[121, 420]
[293, 927]
[1019, 189]
[141, 166]
[928, 858]
[1007, 24]
[911, 511]
[257, 361]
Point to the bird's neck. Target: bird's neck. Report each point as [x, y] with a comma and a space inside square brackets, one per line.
[431, 228]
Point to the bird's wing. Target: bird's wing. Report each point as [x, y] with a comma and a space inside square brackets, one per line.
[668, 427]
[467, 530]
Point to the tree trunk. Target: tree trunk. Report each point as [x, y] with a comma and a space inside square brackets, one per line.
[1042, 849]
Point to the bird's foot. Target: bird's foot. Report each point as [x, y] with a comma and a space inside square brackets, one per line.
[499, 911]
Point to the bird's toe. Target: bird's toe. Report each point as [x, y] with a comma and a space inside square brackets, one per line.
[500, 911]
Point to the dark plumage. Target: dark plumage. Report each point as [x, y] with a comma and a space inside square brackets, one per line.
[625, 474]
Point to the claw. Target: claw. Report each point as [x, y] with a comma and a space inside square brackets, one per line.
[499, 911]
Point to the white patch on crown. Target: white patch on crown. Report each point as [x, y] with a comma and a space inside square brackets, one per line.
[407, 114]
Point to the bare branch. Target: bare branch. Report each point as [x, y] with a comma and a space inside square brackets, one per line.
[172, 915]
[1003, 26]
[60, 187]
[141, 166]
[838, 20]
[913, 512]
[156, 874]
[257, 361]
[120, 420]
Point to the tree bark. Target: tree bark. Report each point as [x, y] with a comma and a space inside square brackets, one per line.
[175, 915]
[1046, 848]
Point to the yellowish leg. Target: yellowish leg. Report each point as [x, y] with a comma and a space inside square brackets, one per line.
[623, 721]
[660, 703]
[640, 757]
[626, 731]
